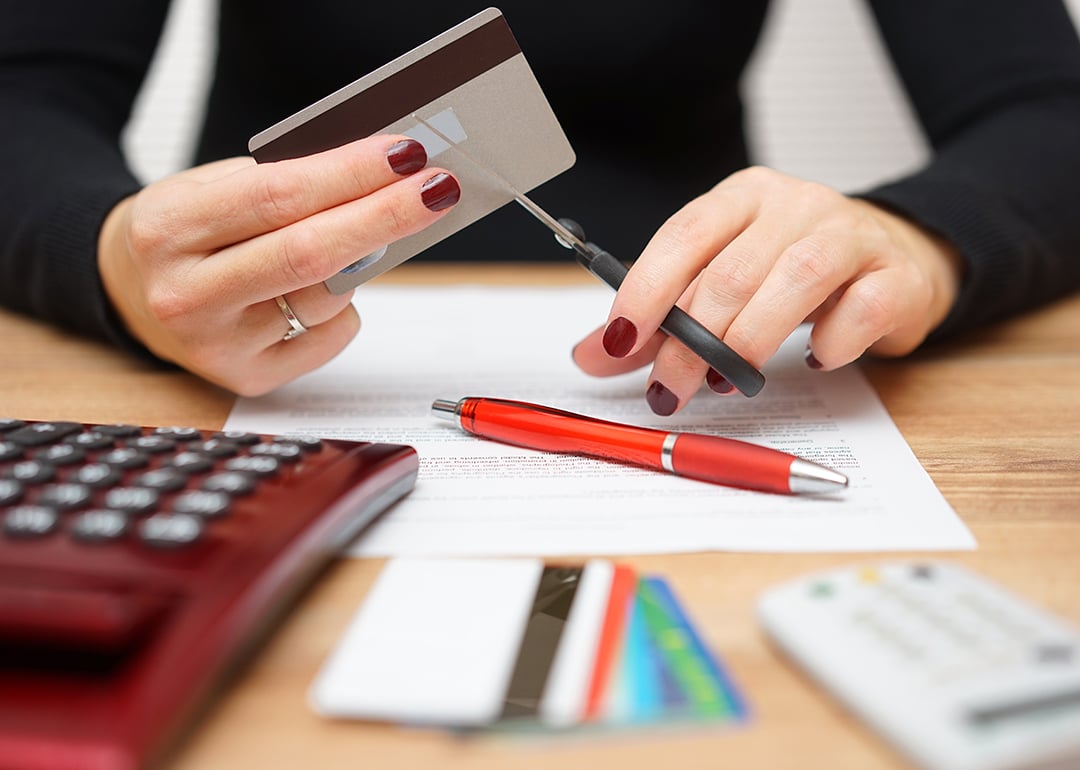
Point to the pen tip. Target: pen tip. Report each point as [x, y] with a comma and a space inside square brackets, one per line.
[807, 478]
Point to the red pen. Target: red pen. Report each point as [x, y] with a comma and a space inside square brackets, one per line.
[715, 459]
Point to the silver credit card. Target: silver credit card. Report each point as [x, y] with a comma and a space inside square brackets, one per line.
[473, 85]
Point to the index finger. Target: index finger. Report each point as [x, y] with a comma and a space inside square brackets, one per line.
[674, 257]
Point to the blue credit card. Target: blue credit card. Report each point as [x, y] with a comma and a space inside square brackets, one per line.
[709, 690]
[666, 672]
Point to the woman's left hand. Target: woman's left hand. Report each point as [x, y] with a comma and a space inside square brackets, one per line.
[759, 254]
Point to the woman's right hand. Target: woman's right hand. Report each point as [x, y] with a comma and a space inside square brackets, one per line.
[193, 263]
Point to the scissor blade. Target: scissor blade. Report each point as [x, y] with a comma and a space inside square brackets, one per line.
[561, 232]
[565, 235]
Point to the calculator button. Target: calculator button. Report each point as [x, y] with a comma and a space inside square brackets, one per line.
[922, 572]
[178, 433]
[238, 437]
[260, 466]
[189, 462]
[119, 430]
[99, 526]
[230, 482]
[163, 479]
[170, 530]
[216, 447]
[30, 521]
[307, 443]
[153, 444]
[869, 576]
[126, 458]
[200, 502]
[98, 475]
[10, 491]
[1054, 652]
[40, 433]
[91, 439]
[31, 472]
[7, 423]
[288, 453]
[61, 454]
[9, 450]
[132, 499]
[65, 496]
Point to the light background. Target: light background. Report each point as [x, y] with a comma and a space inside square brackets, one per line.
[822, 99]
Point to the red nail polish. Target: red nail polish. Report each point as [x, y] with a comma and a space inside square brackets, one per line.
[440, 192]
[718, 383]
[661, 400]
[406, 157]
[619, 337]
[811, 359]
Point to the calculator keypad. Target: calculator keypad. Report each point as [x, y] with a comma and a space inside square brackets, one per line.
[107, 483]
[954, 669]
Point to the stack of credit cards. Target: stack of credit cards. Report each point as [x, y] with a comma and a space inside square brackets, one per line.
[520, 643]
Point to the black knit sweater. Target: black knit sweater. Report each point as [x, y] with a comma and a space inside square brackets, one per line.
[649, 99]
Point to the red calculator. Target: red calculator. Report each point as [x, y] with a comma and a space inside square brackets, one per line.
[138, 565]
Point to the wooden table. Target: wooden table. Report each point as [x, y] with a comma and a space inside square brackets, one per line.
[994, 418]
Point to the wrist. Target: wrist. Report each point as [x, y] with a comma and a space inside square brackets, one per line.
[936, 257]
[117, 270]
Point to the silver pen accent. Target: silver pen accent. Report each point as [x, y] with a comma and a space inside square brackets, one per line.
[807, 478]
[667, 452]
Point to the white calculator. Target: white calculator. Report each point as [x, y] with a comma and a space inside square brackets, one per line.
[955, 671]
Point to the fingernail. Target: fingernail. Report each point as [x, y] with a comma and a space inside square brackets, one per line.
[661, 400]
[811, 359]
[619, 337]
[406, 157]
[440, 192]
[717, 383]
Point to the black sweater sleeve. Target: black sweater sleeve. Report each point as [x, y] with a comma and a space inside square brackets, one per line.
[69, 73]
[996, 85]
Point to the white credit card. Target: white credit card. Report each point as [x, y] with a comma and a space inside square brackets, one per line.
[435, 642]
[470, 643]
[473, 85]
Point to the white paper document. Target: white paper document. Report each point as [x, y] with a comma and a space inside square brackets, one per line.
[477, 497]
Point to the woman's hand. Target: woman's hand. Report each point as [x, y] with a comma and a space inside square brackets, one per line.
[756, 256]
[193, 263]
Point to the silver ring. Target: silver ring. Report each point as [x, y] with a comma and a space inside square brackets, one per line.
[297, 327]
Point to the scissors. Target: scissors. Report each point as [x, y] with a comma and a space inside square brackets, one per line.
[678, 323]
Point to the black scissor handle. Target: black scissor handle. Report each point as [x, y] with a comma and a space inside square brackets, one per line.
[678, 323]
